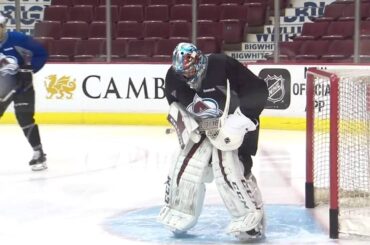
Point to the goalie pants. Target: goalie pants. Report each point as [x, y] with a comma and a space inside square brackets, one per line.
[248, 149]
[24, 108]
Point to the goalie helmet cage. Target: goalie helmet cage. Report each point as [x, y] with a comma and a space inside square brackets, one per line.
[338, 148]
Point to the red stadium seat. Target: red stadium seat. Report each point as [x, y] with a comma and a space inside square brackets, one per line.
[233, 31]
[131, 13]
[312, 49]
[157, 13]
[339, 30]
[180, 29]
[86, 2]
[156, 30]
[181, 12]
[81, 13]
[208, 12]
[129, 30]
[208, 45]
[48, 29]
[97, 29]
[101, 10]
[339, 51]
[332, 12]
[89, 50]
[313, 30]
[140, 49]
[77, 29]
[63, 49]
[56, 13]
[62, 2]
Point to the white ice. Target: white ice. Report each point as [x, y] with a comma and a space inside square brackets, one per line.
[96, 172]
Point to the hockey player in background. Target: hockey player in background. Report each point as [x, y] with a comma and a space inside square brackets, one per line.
[20, 56]
[215, 104]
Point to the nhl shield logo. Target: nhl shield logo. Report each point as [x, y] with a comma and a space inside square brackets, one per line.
[278, 83]
[276, 88]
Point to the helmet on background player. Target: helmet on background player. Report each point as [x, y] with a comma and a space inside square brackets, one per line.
[2, 27]
[188, 61]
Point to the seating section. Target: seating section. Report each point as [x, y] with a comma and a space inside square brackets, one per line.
[148, 21]
[330, 37]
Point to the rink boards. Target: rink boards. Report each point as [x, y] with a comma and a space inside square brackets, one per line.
[133, 94]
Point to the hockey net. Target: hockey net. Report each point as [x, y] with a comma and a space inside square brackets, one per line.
[338, 148]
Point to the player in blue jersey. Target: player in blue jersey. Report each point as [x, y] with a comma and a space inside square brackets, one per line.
[20, 57]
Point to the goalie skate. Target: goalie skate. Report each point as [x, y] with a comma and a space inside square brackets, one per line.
[249, 227]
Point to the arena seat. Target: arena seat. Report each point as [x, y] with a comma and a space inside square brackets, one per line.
[63, 49]
[77, 29]
[56, 13]
[313, 30]
[339, 30]
[312, 49]
[256, 14]
[156, 30]
[129, 30]
[233, 31]
[157, 13]
[209, 12]
[136, 2]
[140, 49]
[62, 2]
[86, 2]
[48, 29]
[97, 29]
[332, 12]
[208, 45]
[89, 50]
[181, 12]
[339, 51]
[81, 13]
[233, 12]
[180, 29]
[131, 13]
[208, 28]
[101, 10]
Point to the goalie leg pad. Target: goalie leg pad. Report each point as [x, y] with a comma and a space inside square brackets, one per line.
[185, 189]
[240, 195]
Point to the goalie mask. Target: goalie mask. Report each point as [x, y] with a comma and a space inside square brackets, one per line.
[188, 61]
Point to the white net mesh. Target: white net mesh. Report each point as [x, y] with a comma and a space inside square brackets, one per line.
[353, 148]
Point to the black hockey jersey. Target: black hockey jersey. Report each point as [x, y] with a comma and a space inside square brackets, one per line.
[248, 91]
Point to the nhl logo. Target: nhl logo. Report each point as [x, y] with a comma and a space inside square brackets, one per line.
[276, 88]
[278, 83]
[227, 140]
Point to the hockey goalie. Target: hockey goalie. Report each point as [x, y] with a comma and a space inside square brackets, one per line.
[215, 104]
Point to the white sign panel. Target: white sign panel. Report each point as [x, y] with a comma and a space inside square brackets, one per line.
[101, 88]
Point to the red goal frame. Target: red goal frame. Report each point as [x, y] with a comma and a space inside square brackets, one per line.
[333, 148]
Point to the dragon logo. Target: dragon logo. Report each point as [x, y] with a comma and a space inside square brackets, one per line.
[61, 88]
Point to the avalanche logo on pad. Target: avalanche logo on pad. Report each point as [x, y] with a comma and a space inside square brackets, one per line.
[62, 87]
[278, 83]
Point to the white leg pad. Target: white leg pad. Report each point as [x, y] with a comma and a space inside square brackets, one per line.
[240, 195]
[185, 189]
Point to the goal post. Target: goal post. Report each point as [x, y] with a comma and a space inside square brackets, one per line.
[338, 148]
